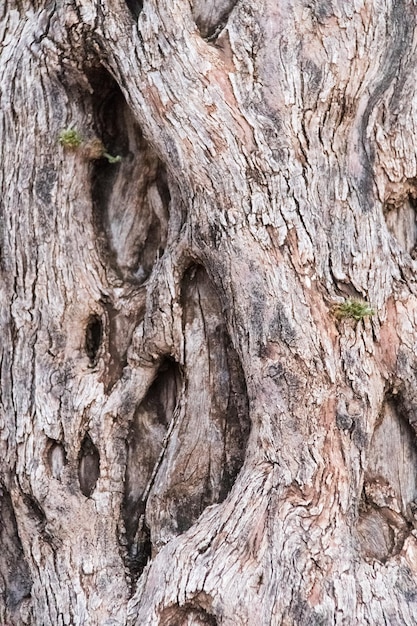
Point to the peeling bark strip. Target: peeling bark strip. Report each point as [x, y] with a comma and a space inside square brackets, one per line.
[189, 432]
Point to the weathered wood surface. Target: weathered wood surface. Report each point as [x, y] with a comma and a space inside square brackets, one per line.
[188, 433]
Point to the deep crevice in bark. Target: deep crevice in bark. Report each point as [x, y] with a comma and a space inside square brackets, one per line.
[93, 338]
[229, 404]
[88, 466]
[15, 580]
[207, 447]
[135, 7]
[130, 198]
[186, 449]
[146, 439]
[390, 485]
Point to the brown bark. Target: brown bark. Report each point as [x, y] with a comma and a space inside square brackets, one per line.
[195, 428]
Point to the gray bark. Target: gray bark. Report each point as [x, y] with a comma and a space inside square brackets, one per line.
[191, 430]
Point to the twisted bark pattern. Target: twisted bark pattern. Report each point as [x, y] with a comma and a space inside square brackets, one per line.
[152, 309]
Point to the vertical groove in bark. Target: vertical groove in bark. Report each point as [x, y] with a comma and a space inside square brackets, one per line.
[188, 439]
[206, 447]
[130, 198]
[145, 442]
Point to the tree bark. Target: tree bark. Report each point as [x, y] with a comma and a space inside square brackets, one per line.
[197, 426]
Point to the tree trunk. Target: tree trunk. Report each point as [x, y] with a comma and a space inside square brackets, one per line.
[209, 312]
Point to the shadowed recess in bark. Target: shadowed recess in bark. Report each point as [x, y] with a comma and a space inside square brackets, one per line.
[145, 445]
[88, 466]
[131, 197]
[211, 16]
[206, 448]
[93, 337]
[389, 497]
[187, 615]
[15, 581]
[135, 7]
[57, 458]
[402, 224]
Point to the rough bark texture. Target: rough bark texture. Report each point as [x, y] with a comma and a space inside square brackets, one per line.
[190, 433]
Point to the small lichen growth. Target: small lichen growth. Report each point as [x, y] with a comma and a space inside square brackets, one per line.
[92, 149]
[354, 309]
[70, 138]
